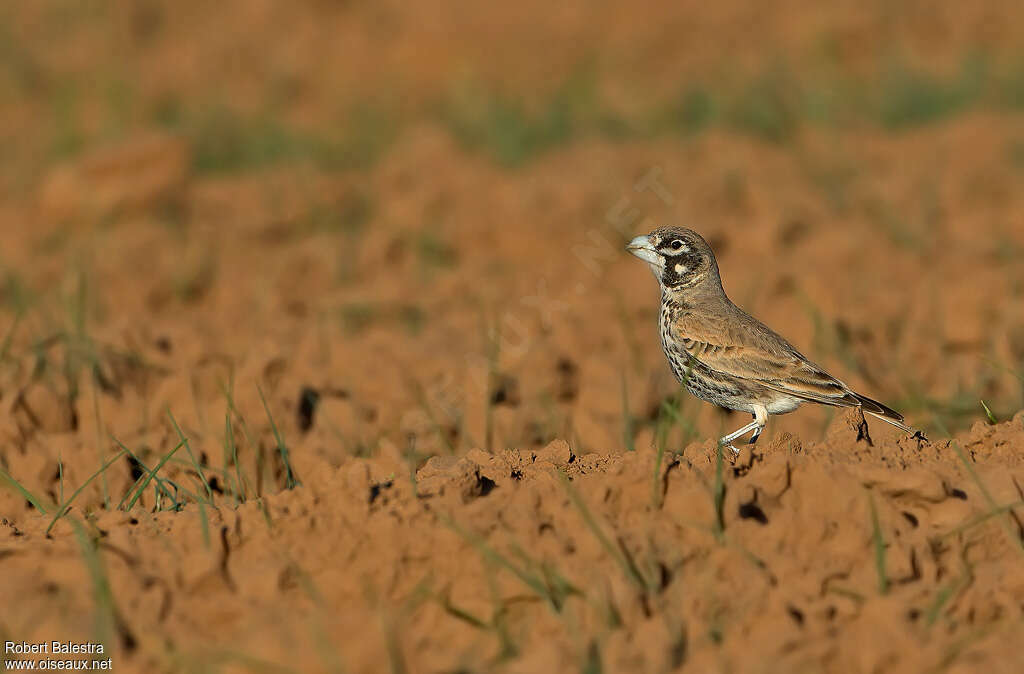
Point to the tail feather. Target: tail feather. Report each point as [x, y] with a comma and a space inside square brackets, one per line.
[880, 411]
[898, 424]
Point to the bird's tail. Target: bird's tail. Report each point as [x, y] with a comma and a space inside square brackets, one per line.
[886, 414]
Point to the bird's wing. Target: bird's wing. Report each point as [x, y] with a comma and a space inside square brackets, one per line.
[747, 349]
[741, 346]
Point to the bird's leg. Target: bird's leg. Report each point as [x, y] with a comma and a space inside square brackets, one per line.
[755, 435]
[727, 440]
[760, 418]
[757, 425]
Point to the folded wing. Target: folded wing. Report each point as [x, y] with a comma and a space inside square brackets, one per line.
[761, 355]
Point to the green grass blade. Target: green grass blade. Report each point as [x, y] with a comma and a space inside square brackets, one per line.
[984, 517]
[668, 410]
[232, 410]
[192, 456]
[533, 582]
[656, 478]
[499, 615]
[132, 489]
[592, 660]
[60, 476]
[988, 413]
[461, 614]
[290, 481]
[138, 481]
[231, 453]
[25, 493]
[628, 568]
[204, 524]
[65, 505]
[677, 419]
[106, 612]
[151, 474]
[993, 506]
[421, 398]
[942, 598]
[879, 546]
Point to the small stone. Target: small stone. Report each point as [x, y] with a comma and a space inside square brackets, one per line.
[556, 452]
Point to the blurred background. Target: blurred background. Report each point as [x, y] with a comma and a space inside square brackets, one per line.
[403, 222]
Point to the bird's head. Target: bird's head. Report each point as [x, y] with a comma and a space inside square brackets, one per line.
[680, 258]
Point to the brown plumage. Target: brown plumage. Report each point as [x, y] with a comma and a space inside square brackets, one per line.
[724, 355]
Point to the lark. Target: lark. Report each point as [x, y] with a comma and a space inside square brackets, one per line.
[725, 356]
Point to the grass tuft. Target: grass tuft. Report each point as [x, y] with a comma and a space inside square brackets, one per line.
[149, 477]
[192, 457]
[63, 508]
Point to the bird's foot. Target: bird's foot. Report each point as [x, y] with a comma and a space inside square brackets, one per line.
[730, 455]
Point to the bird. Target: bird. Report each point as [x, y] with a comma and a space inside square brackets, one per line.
[725, 356]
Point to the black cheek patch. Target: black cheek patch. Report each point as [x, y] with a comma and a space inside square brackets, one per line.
[691, 263]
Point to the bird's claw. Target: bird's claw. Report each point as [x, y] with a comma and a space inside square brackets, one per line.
[732, 454]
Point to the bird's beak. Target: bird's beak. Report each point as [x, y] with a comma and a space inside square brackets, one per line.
[642, 248]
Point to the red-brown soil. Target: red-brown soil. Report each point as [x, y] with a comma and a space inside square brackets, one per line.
[463, 363]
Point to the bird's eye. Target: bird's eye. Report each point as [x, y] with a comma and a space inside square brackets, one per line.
[676, 244]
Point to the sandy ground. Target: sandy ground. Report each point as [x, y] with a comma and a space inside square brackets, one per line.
[409, 412]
